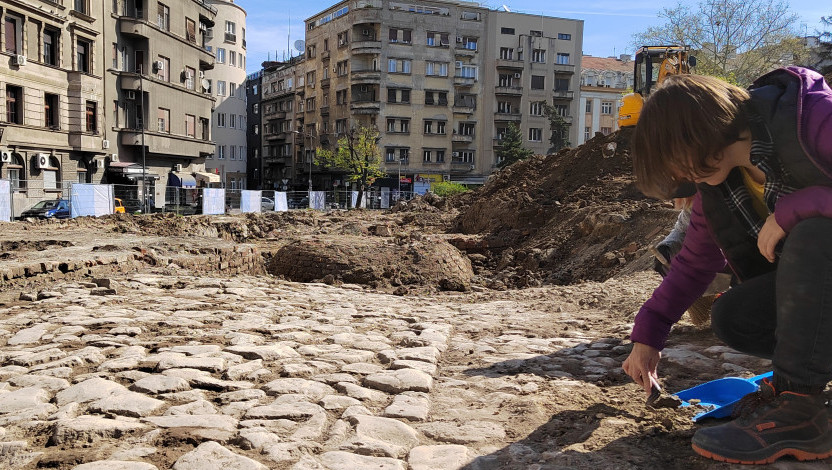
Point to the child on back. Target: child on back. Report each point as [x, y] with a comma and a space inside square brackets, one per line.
[762, 161]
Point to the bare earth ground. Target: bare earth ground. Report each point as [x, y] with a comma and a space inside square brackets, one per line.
[484, 332]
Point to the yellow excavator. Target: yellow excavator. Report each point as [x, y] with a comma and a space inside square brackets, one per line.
[652, 65]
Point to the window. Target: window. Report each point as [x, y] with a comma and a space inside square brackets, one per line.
[406, 36]
[343, 38]
[538, 82]
[310, 51]
[436, 98]
[14, 34]
[50, 111]
[81, 6]
[232, 58]
[405, 95]
[440, 127]
[440, 156]
[463, 156]
[220, 55]
[427, 156]
[562, 110]
[439, 69]
[563, 58]
[232, 89]
[92, 117]
[220, 119]
[84, 56]
[230, 27]
[428, 127]
[232, 121]
[190, 30]
[535, 33]
[190, 125]
[564, 37]
[398, 65]
[587, 130]
[506, 30]
[466, 128]
[535, 134]
[163, 120]
[163, 69]
[389, 155]
[507, 53]
[50, 46]
[606, 130]
[341, 126]
[342, 68]
[505, 80]
[588, 107]
[404, 126]
[190, 77]
[163, 17]
[466, 71]
[504, 107]
[232, 152]
[536, 108]
[221, 152]
[539, 56]
[469, 43]
[391, 125]
[404, 154]
[220, 87]
[561, 84]
[14, 104]
[341, 97]
[606, 107]
[256, 108]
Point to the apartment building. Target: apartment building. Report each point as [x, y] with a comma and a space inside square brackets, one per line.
[227, 82]
[604, 80]
[51, 96]
[286, 142]
[254, 162]
[441, 80]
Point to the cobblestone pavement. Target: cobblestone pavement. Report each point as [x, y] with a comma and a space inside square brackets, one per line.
[173, 371]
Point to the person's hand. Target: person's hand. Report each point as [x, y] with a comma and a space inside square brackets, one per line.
[641, 365]
[770, 235]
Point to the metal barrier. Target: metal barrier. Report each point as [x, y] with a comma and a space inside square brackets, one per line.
[28, 194]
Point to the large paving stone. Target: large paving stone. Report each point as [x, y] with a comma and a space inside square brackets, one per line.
[52, 384]
[89, 390]
[210, 455]
[309, 388]
[267, 352]
[221, 422]
[293, 411]
[29, 335]
[339, 460]
[390, 436]
[409, 405]
[426, 354]
[361, 393]
[401, 380]
[132, 404]
[23, 399]
[463, 433]
[160, 384]
[91, 428]
[210, 364]
[441, 457]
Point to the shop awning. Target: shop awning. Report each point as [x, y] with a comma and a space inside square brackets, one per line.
[209, 178]
[130, 170]
[181, 180]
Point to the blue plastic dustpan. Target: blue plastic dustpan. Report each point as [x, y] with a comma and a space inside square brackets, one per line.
[719, 396]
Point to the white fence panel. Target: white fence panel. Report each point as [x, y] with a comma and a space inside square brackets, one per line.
[281, 203]
[250, 201]
[213, 201]
[385, 198]
[91, 200]
[354, 199]
[317, 200]
[5, 201]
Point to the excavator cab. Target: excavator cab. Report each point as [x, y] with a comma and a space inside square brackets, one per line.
[652, 65]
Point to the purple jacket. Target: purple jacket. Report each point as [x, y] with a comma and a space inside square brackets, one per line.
[700, 259]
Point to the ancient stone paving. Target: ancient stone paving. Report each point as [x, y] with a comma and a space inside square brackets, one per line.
[251, 373]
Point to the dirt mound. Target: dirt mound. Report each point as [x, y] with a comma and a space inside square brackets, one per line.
[374, 261]
[571, 216]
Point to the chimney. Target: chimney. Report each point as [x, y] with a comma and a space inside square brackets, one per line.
[625, 58]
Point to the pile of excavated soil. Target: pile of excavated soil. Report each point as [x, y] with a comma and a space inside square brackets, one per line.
[397, 262]
[563, 218]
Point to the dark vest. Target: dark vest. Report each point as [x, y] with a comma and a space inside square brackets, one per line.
[774, 97]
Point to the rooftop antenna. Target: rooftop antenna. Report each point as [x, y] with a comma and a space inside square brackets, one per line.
[505, 8]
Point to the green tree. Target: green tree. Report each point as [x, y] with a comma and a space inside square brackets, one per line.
[511, 147]
[822, 57]
[356, 154]
[739, 39]
[559, 128]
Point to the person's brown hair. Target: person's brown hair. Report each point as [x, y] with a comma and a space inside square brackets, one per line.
[688, 119]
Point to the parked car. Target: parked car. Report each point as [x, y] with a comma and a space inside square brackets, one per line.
[133, 206]
[266, 204]
[298, 203]
[52, 208]
[118, 207]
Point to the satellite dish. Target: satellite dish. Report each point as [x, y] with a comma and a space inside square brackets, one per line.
[205, 85]
[300, 45]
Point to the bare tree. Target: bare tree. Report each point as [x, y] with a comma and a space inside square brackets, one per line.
[737, 40]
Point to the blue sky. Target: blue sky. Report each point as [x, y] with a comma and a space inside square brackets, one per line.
[273, 26]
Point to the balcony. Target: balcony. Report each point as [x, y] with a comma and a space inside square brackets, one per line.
[325, 55]
[509, 117]
[280, 115]
[324, 110]
[134, 27]
[325, 83]
[462, 139]
[277, 136]
[464, 81]
[564, 68]
[231, 38]
[167, 144]
[365, 107]
[464, 108]
[510, 64]
[366, 47]
[366, 15]
[564, 94]
[365, 77]
[462, 51]
[509, 90]
[129, 81]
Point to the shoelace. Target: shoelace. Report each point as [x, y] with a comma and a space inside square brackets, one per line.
[751, 402]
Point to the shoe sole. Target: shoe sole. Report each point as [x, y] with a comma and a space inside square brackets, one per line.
[799, 454]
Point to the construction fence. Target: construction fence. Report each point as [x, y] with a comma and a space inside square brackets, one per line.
[23, 199]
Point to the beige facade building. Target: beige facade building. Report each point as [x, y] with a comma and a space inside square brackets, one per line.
[440, 79]
[158, 110]
[603, 82]
[227, 83]
[283, 147]
[52, 122]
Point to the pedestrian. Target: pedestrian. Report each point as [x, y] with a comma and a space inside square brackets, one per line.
[762, 161]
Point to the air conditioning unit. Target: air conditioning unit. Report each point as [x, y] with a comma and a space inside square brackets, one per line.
[446, 177]
[201, 74]
[42, 161]
[159, 65]
[472, 167]
[454, 154]
[99, 164]
[187, 75]
[178, 167]
[459, 39]
[114, 158]
[365, 32]
[459, 64]
[19, 60]
[516, 75]
[105, 144]
[5, 156]
[130, 94]
[519, 49]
